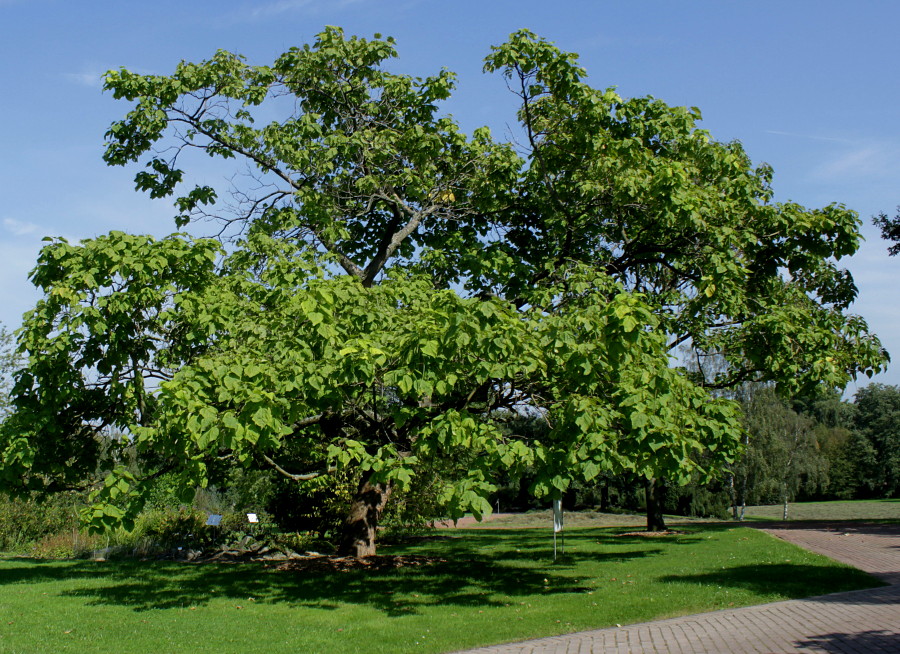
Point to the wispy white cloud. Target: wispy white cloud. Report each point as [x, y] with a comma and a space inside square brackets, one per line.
[18, 227]
[863, 160]
[89, 78]
[274, 9]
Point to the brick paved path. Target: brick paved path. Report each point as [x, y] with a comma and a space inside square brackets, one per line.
[870, 547]
[858, 622]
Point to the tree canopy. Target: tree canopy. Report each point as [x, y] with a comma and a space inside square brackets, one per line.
[876, 439]
[385, 291]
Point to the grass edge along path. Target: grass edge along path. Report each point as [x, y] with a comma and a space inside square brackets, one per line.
[488, 587]
[881, 510]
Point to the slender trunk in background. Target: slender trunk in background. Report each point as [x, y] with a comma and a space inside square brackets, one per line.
[361, 525]
[733, 494]
[744, 477]
[784, 494]
[743, 494]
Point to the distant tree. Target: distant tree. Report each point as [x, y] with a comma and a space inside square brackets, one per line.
[834, 420]
[782, 456]
[890, 230]
[877, 439]
[838, 446]
[9, 361]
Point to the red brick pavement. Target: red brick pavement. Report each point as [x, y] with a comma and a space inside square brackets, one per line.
[874, 548]
[858, 622]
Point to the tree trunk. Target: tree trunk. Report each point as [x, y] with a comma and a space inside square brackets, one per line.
[655, 490]
[604, 496]
[569, 500]
[358, 537]
[732, 494]
[784, 515]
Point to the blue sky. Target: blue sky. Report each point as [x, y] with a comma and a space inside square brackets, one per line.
[810, 87]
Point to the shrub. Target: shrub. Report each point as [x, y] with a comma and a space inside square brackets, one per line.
[169, 527]
[26, 521]
[67, 545]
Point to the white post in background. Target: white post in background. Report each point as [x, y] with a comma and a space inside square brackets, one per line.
[558, 525]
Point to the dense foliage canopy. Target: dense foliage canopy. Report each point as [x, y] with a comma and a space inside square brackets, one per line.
[386, 291]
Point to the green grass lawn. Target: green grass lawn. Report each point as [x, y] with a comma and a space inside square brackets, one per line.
[855, 510]
[493, 586]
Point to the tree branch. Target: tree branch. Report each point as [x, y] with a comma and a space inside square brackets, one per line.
[296, 477]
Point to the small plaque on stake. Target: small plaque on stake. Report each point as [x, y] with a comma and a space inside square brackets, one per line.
[251, 517]
[214, 520]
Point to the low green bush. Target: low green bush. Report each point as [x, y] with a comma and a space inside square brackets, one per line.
[24, 522]
[166, 528]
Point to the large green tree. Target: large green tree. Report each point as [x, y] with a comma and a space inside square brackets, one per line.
[385, 290]
[876, 441]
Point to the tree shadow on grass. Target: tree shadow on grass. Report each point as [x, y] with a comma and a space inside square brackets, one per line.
[536, 546]
[470, 571]
[398, 591]
[791, 580]
[28, 570]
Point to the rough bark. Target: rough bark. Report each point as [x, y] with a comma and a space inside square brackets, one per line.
[358, 537]
[655, 490]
